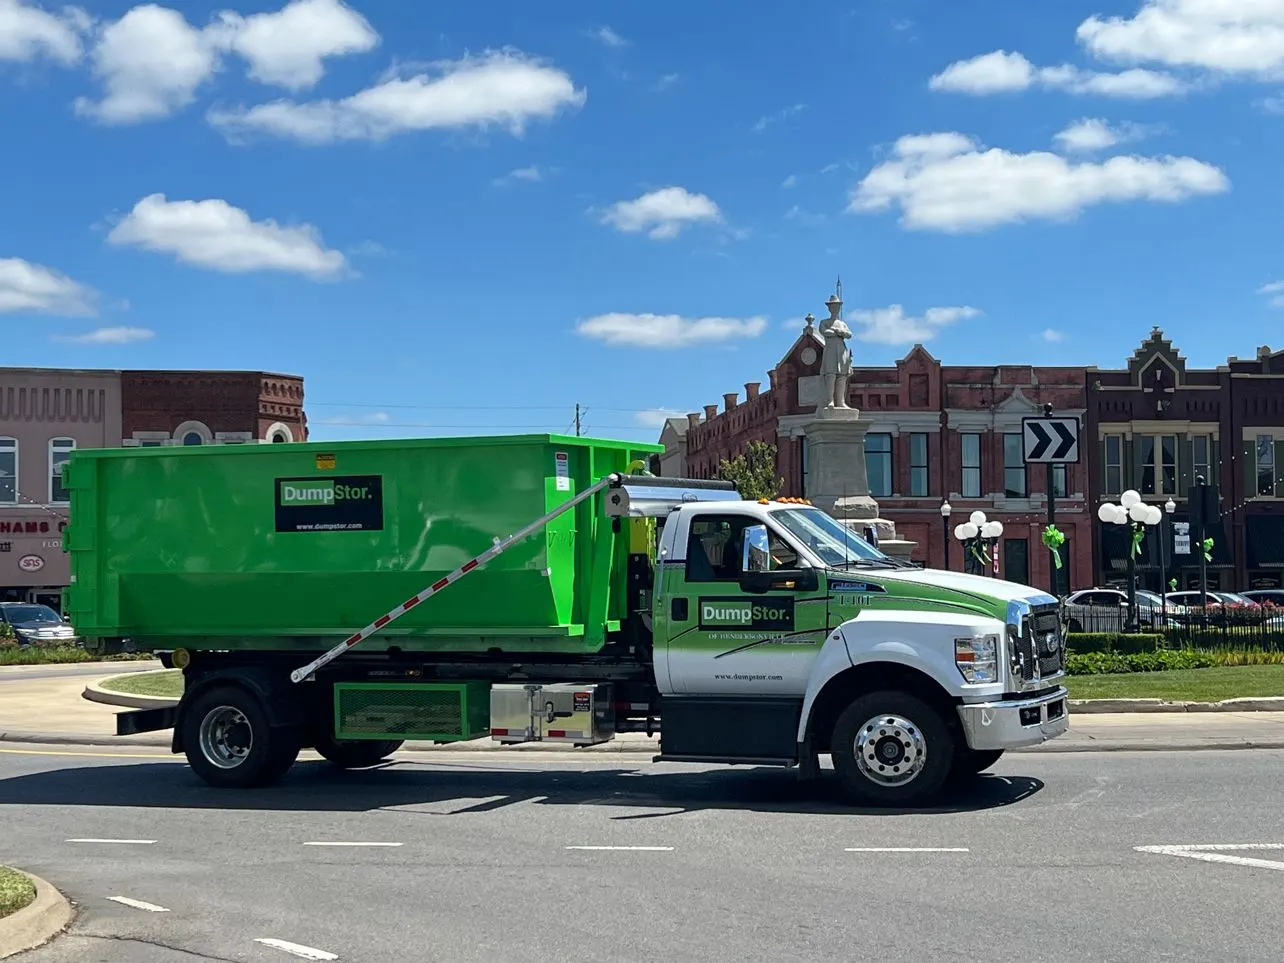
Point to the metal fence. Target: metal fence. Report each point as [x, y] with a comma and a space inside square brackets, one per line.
[1199, 628]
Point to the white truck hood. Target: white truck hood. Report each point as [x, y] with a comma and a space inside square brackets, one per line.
[976, 584]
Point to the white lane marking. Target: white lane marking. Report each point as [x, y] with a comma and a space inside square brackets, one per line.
[138, 904]
[640, 849]
[1217, 853]
[295, 949]
[909, 849]
[350, 844]
[127, 842]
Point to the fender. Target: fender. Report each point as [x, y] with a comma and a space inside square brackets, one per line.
[923, 641]
[283, 704]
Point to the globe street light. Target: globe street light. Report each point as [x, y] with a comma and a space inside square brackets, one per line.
[1165, 539]
[1136, 514]
[945, 531]
[977, 534]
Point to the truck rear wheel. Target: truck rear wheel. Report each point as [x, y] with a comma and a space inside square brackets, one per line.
[891, 749]
[230, 744]
[355, 753]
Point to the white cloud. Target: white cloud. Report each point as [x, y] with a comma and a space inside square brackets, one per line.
[1002, 71]
[609, 37]
[789, 181]
[1092, 134]
[365, 418]
[667, 82]
[762, 123]
[656, 417]
[803, 216]
[117, 335]
[29, 287]
[891, 325]
[947, 182]
[1243, 38]
[151, 62]
[668, 330]
[530, 174]
[28, 32]
[662, 213]
[214, 234]
[498, 88]
[1052, 335]
[1275, 288]
[287, 48]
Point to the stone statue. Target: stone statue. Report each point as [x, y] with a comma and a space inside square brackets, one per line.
[836, 361]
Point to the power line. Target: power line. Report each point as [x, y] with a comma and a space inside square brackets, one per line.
[366, 404]
[424, 424]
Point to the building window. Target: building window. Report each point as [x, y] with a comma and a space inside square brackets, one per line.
[279, 433]
[878, 464]
[193, 438]
[971, 450]
[803, 448]
[918, 465]
[1201, 457]
[1060, 481]
[60, 450]
[1265, 465]
[1158, 464]
[8, 471]
[1062, 574]
[1014, 480]
[1112, 460]
[1016, 560]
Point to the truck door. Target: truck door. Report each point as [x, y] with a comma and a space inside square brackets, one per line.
[724, 640]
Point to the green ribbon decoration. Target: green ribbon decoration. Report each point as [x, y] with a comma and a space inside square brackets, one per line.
[1172, 584]
[1138, 533]
[980, 556]
[1053, 538]
[1207, 546]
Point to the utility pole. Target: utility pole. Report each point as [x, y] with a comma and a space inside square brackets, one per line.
[1052, 511]
[577, 419]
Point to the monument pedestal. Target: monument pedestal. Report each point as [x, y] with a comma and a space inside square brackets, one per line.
[837, 482]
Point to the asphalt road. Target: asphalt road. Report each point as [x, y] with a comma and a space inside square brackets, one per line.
[1036, 862]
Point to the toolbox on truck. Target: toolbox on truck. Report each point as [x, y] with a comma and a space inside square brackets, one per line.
[278, 547]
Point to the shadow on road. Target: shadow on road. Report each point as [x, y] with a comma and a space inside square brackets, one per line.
[318, 787]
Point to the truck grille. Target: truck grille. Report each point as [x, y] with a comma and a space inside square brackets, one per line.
[1041, 644]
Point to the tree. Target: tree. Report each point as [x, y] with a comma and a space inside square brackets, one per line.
[753, 471]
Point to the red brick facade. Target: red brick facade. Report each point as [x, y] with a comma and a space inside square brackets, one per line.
[925, 414]
[207, 407]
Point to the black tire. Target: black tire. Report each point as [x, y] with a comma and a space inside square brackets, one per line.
[355, 753]
[921, 737]
[247, 752]
[973, 762]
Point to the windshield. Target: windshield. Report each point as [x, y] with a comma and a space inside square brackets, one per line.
[832, 542]
[22, 614]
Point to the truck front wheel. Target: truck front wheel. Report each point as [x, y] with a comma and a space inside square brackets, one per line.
[891, 749]
[354, 753]
[230, 744]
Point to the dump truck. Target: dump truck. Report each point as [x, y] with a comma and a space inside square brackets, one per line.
[350, 596]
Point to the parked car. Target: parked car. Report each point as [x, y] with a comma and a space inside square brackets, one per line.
[1106, 610]
[36, 624]
[1224, 608]
[1266, 596]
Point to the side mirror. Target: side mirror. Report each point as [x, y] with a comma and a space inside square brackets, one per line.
[756, 554]
[793, 580]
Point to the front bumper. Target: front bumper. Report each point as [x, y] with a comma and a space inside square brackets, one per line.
[1016, 723]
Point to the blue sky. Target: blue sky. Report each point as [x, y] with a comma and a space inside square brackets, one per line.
[459, 217]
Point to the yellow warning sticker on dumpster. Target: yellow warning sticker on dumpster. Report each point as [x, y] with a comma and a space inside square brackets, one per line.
[325, 462]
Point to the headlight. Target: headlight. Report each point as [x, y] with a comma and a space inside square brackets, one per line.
[978, 658]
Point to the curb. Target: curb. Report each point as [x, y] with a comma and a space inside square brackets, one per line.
[1091, 706]
[35, 925]
[94, 692]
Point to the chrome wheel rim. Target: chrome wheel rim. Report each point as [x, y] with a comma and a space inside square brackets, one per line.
[226, 737]
[890, 750]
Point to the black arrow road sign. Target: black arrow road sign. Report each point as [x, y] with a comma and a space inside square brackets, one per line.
[1051, 441]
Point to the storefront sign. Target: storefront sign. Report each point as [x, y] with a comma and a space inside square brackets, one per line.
[1181, 538]
[31, 563]
[30, 527]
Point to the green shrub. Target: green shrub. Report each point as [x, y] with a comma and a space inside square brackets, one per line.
[1082, 643]
[1110, 663]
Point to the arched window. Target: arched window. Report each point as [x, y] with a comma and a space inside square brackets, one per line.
[8, 471]
[279, 433]
[60, 450]
[193, 438]
[193, 433]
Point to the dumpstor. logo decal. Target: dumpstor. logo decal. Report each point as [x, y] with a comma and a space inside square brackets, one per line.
[334, 504]
[772, 614]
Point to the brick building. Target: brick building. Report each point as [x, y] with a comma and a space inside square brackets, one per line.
[47, 413]
[1158, 425]
[936, 433]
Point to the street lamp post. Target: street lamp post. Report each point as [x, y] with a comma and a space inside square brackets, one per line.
[1165, 536]
[977, 534]
[945, 531]
[1136, 514]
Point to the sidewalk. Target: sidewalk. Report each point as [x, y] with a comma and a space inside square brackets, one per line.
[52, 710]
